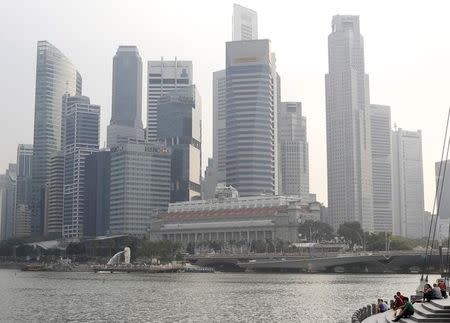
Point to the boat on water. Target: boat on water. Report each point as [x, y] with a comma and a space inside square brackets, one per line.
[34, 268]
[189, 268]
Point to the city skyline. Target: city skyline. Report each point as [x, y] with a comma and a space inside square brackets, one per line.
[298, 90]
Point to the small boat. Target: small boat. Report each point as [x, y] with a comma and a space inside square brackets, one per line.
[188, 268]
[34, 268]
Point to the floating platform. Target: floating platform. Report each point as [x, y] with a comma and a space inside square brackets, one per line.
[148, 269]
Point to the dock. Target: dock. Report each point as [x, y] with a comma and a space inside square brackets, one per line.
[148, 269]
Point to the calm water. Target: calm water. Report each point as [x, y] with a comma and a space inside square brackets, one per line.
[218, 297]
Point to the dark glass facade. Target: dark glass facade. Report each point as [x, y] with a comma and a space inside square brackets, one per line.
[179, 127]
[127, 88]
[96, 198]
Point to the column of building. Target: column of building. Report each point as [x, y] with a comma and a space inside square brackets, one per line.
[348, 126]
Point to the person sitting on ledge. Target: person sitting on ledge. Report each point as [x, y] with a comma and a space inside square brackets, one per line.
[427, 293]
[407, 311]
[441, 284]
[402, 297]
[398, 303]
[382, 306]
[436, 292]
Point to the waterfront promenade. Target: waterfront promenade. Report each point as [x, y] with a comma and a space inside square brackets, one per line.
[437, 310]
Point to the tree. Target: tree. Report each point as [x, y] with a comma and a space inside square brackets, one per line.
[190, 248]
[316, 231]
[258, 246]
[164, 250]
[402, 243]
[352, 233]
[75, 248]
[376, 241]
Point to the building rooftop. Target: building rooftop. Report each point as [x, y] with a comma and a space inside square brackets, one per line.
[224, 213]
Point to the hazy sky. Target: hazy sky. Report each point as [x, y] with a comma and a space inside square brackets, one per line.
[407, 54]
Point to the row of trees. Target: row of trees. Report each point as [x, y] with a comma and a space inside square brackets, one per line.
[352, 234]
[311, 231]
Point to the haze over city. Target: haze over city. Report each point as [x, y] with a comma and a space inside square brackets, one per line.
[406, 56]
[148, 145]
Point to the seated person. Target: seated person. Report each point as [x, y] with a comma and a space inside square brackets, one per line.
[402, 297]
[407, 310]
[382, 306]
[441, 285]
[436, 292]
[398, 303]
[427, 292]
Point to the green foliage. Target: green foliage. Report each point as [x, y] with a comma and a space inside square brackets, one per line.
[75, 248]
[401, 243]
[217, 246]
[258, 246]
[190, 248]
[316, 231]
[380, 240]
[352, 233]
[19, 244]
[376, 241]
[164, 250]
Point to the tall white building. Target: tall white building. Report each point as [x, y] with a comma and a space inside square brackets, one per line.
[55, 75]
[348, 126]
[293, 146]
[251, 117]
[245, 23]
[407, 179]
[443, 205]
[162, 78]
[8, 202]
[219, 124]
[82, 124]
[140, 186]
[54, 197]
[380, 135]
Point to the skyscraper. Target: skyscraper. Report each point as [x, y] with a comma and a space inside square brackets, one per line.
[251, 107]
[55, 75]
[8, 202]
[2, 207]
[293, 145]
[23, 191]
[164, 77]
[380, 135]
[82, 122]
[407, 170]
[348, 126]
[245, 23]
[442, 175]
[54, 197]
[140, 186]
[126, 114]
[219, 125]
[179, 127]
[96, 198]
[209, 181]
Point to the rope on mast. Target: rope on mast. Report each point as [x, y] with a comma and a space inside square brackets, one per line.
[424, 266]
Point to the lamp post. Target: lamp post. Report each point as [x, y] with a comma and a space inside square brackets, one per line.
[362, 240]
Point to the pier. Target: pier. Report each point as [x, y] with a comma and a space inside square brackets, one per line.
[148, 269]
